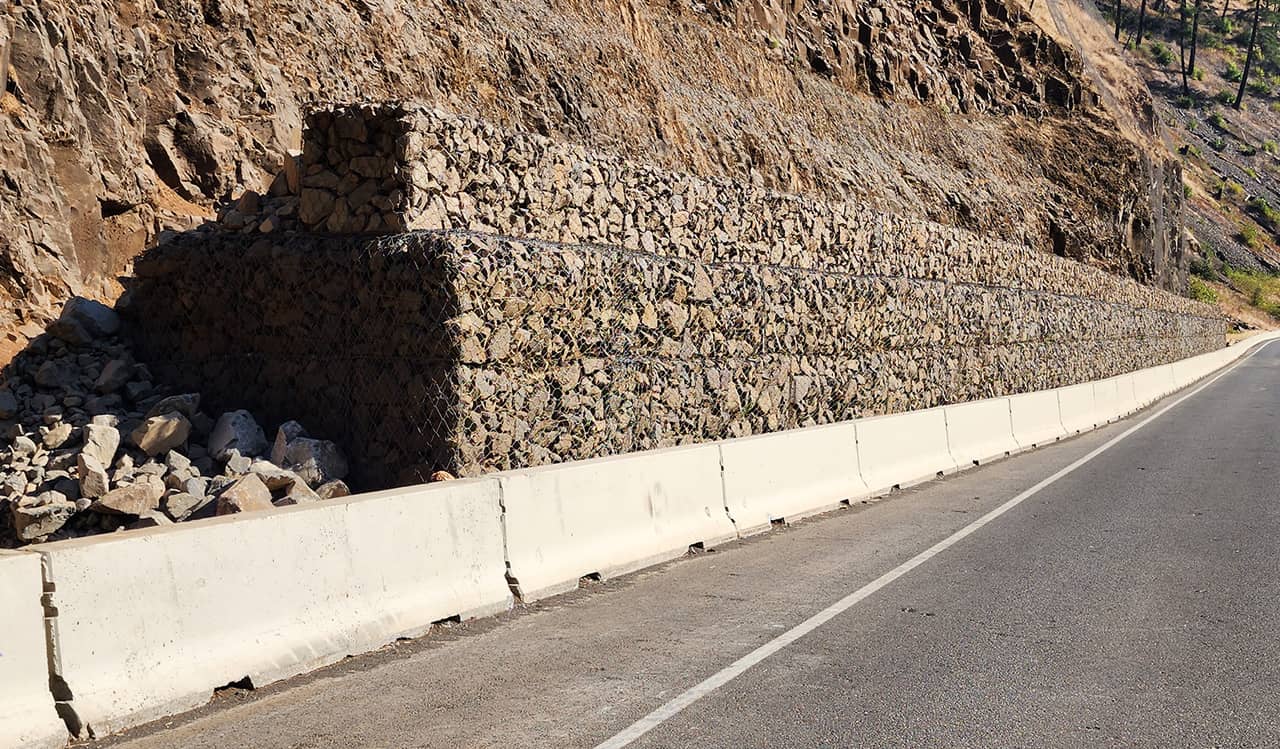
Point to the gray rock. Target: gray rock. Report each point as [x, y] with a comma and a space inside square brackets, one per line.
[134, 499]
[53, 374]
[106, 420]
[275, 477]
[288, 432]
[187, 404]
[94, 482]
[101, 442]
[38, 522]
[95, 318]
[13, 484]
[8, 404]
[23, 447]
[316, 461]
[236, 430]
[160, 434]
[113, 377]
[333, 490]
[237, 464]
[56, 436]
[136, 391]
[177, 462]
[247, 494]
[181, 505]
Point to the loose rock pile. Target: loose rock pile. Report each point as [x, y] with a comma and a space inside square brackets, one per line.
[90, 444]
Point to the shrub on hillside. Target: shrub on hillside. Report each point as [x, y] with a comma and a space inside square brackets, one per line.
[1225, 97]
[1201, 291]
[1233, 72]
[1161, 53]
[1250, 237]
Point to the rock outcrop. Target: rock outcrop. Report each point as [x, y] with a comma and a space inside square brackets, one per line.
[124, 118]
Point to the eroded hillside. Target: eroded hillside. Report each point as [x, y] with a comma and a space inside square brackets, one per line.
[123, 118]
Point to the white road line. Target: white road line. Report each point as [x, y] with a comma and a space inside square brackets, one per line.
[740, 666]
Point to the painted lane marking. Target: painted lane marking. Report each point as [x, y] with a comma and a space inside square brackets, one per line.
[740, 666]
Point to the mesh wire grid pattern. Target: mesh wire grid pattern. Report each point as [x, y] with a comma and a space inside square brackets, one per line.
[470, 352]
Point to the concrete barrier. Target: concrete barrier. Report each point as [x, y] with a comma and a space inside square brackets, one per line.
[980, 431]
[788, 475]
[610, 516]
[1036, 418]
[150, 622]
[899, 450]
[1126, 395]
[27, 716]
[1150, 385]
[1079, 413]
[1106, 401]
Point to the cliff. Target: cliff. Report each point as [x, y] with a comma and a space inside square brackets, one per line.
[124, 118]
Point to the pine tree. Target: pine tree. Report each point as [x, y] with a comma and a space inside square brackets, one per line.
[1248, 59]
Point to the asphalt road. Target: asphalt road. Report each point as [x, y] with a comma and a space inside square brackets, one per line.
[1132, 602]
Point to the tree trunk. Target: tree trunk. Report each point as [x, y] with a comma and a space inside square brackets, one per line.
[1195, 39]
[1119, 7]
[1182, 43]
[1142, 21]
[1248, 58]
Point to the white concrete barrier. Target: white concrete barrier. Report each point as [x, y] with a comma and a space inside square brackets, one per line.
[1126, 395]
[610, 516]
[1036, 418]
[899, 450]
[788, 475]
[1077, 406]
[980, 431]
[150, 622]
[1106, 401]
[27, 716]
[1150, 385]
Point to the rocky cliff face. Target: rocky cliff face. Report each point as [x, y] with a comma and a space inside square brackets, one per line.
[123, 118]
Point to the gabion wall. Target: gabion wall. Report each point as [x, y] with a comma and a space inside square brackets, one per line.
[472, 352]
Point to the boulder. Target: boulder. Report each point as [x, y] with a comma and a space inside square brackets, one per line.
[23, 447]
[160, 434]
[56, 436]
[237, 464]
[288, 432]
[53, 374]
[316, 461]
[247, 494]
[187, 404]
[275, 477]
[95, 317]
[113, 377]
[134, 499]
[101, 442]
[236, 430]
[84, 320]
[182, 505]
[333, 490]
[37, 522]
[94, 482]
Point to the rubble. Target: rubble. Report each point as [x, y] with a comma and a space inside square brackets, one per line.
[65, 470]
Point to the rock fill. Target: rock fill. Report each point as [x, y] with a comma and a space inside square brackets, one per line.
[90, 444]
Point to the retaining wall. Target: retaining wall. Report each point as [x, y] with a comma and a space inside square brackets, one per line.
[636, 309]
[474, 353]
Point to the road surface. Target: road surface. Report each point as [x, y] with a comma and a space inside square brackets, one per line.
[1123, 590]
